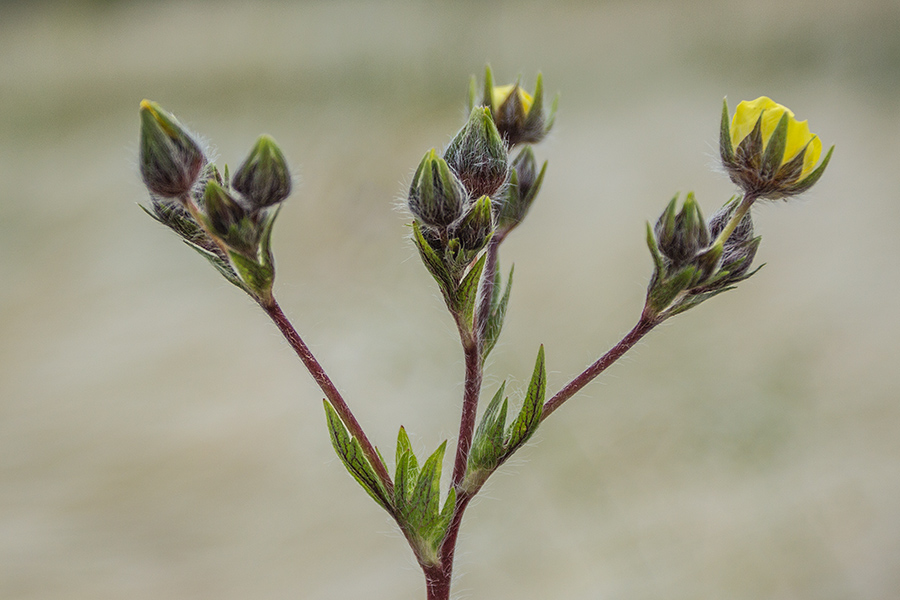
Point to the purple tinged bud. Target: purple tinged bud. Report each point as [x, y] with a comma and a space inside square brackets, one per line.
[170, 159]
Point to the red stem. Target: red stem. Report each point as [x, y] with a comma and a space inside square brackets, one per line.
[643, 327]
[471, 392]
[331, 393]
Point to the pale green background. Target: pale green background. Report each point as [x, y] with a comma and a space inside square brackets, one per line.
[158, 440]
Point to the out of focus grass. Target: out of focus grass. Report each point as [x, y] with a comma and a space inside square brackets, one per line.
[157, 440]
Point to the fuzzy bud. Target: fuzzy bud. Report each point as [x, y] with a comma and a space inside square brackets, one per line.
[478, 155]
[170, 159]
[436, 195]
[263, 178]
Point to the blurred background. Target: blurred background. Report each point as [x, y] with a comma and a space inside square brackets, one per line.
[158, 439]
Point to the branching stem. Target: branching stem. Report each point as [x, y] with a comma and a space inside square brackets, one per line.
[646, 323]
[328, 388]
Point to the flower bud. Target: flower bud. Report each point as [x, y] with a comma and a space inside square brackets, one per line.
[478, 155]
[524, 185]
[681, 237]
[519, 116]
[170, 159]
[436, 195]
[767, 152]
[476, 226]
[739, 250]
[223, 213]
[264, 178]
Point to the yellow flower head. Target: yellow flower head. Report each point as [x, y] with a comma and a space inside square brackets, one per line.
[798, 135]
[501, 93]
[768, 152]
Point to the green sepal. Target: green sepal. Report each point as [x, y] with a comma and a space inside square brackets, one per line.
[663, 291]
[487, 98]
[749, 150]
[530, 415]
[808, 181]
[774, 153]
[726, 151]
[497, 314]
[351, 454]
[658, 260]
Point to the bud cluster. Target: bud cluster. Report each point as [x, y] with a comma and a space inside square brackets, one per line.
[473, 194]
[228, 220]
[692, 263]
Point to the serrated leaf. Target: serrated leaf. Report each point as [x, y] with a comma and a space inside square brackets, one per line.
[495, 319]
[530, 415]
[351, 454]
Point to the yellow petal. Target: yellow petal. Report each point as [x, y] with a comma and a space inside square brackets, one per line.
[798, 134]
[501, 92]
[813, 152]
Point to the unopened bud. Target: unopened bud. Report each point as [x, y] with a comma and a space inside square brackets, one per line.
[476, 226]
[170, 159]
[223, 213]
[478, 155]
[264, 178]
[680, 237]
[436, 196]
[524, 185]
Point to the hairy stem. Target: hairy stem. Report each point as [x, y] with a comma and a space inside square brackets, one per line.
[331, 393]
[746, 202]
[487, 287]
[642, 328]
[471, 391]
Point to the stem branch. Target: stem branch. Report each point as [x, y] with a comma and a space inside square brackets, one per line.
[642, 328]
[331, 393]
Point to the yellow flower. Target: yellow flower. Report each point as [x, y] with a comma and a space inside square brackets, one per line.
[768, 152]
[501, 93]
[798, 135]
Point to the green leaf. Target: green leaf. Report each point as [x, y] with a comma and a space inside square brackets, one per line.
[488, 444]
[530, 415]
[257, 277]
[426, 496]
[433, 263]
[221, 265]
[467, 292]
[407, 471]
[351, 454]
[497, 315]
